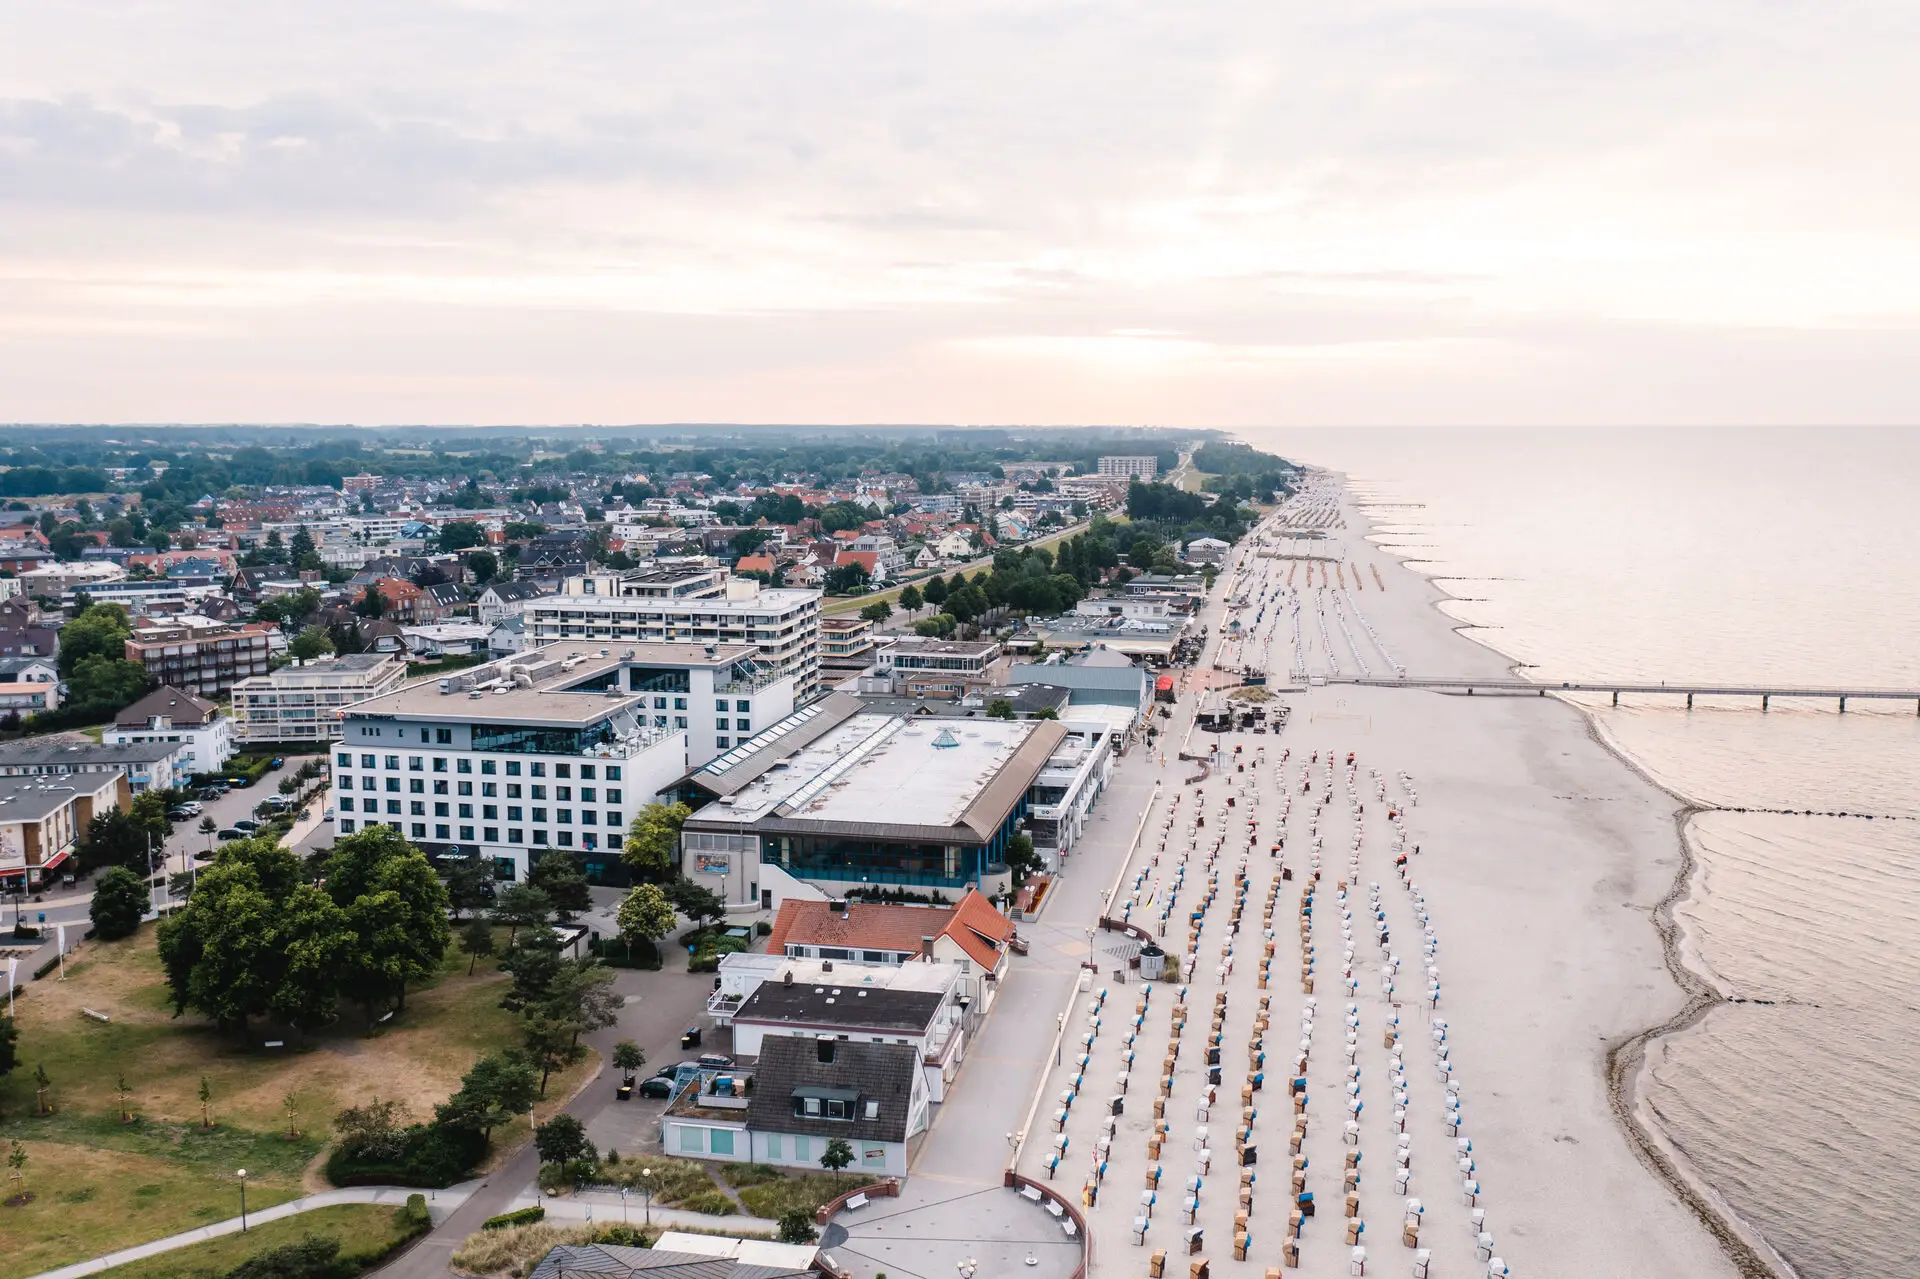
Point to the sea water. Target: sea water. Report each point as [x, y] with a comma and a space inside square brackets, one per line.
[1728, 556]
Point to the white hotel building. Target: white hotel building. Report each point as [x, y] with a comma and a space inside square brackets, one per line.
[687, 606]
[552, 748]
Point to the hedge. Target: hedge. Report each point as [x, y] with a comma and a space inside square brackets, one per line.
[518, 1217]
[432, 1155]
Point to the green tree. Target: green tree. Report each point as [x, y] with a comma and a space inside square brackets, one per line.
[312, 1257]
[654, 838]
[645, 915]
[534, 964]
[498, 1087]
[17, 1167]
[476, 940]
[461, 534]
[936, 590]
[838, 1155]
[396, 908]
[551, 1046]
[302, 549]
[911, 600]
[370, 604]
[468, 880]
[522, 906]
[315, 944]
[310, 643]
[561, 1140]
[1021, 859]
[104, 684]
[558, 876]
[9, 1046]
[695, 901]
[877, 612]
[796, 1226]
[484, 565]
[582, 995]
[999, 708]
[100, 631]
[119, 900]
[628, 1059]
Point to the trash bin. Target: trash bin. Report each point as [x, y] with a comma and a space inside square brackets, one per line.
[691, 1039]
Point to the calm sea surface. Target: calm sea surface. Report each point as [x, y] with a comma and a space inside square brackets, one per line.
[1731, 556]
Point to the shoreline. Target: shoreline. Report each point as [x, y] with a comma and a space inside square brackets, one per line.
[1626, 1061]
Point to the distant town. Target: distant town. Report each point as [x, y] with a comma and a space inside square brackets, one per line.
[436, 779]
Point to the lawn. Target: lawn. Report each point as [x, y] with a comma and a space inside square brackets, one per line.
[100, 1184]
[368, 1233]
[768, 1192]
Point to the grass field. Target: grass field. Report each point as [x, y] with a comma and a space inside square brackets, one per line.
[368, 1233]
[100, 1184]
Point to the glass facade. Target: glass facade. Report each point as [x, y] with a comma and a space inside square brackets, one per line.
[541, 741]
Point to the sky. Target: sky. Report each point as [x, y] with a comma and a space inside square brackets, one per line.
[1008, 211]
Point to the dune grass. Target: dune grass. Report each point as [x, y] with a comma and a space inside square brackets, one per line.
[368, 1234]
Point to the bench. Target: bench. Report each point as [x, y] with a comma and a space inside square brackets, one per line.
[855, 1201]
[1030, 1192]
[1053, 1206]
[1066, 1224]
[97, 1016]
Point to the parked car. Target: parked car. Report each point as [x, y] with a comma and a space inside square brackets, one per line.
[275, 763]
[278, 801]
[716, 1061]
[656, 1087]
[327, 816]
[246, 824]
[190, 808]
[178, 815]
[232, 833]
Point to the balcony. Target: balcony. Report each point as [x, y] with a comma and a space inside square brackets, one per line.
[722, 1005]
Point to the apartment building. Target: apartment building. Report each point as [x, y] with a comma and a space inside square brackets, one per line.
[42, 821]
[169, 715]
[917, 666]
[1133, 468]
[201, 657]
[554, 748]
[302, 702]
[688, 606]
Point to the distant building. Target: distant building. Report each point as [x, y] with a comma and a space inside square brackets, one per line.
[500, 600]
[1207, 550]
[29, 684]
[846, 647]
[678, 1255]
[918, 666]
[302, 702]
[1138, 468]
[169, 715]
[144, 765]
[201, 657]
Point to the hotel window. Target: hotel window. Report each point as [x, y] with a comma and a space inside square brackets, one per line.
[439, 786]
[659, 703]
[513, 790]
[487, 767]
[346, 826]
[720, 704]
[539, 836]
[537, 769]
[515, 835]
[346, 803]
[466, 833]
[393, 807]
[393, 783]
[563, 792]
[659, 721]
[491, 834]
[742, 725]
[563, 770]
[613, 819]
[720, 724]
[490, 789]
[463, 788]
[466, 810]
[440, 831]
[722, 743]
[440, 808]
[539, 792]
[743, 707]
[586, 794]
[423, 734]
[566, 838]
[345, 761]
[513, 768]
[586, 772]
[415, 763]
[366, 761]
[513, 812]
[679, 721]
[564, 816]
[613, 795]
[419, 830]
[393, 763]
[490, 811]
[444, 736]
[439, 763]
[418, 807]
[416, 786]
[589, 840]
[679, 703]
[463, 765]
[539, 814]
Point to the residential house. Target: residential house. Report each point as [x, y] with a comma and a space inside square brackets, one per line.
[169, 715]
[29, 683]
[500, 600]
[970, 935]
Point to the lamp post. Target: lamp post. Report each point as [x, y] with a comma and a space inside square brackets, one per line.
[646, 1185]
[242, 1174]
[623, 1205]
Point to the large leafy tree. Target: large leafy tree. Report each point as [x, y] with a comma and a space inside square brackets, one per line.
[119, 900]
[310, 643]
[100, 631]
[654, 838]
[315, 947]
[498, 1087]
[645, 914]
[557, 875]
[106, 684]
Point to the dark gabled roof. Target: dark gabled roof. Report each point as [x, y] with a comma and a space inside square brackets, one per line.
[612, 1259]
[444, 593]
[875, 1072]
[826, 1006]
[182, 708]
[507, 592]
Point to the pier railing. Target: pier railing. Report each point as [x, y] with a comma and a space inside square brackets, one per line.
[1531, 688]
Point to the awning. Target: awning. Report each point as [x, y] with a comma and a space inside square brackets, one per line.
[1164, 684]
[56, 859]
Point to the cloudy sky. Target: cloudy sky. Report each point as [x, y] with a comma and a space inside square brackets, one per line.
[1558, 211]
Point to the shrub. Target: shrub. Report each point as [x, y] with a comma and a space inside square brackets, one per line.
[624, 1236]
[518, 1217]
[435, 1155]
[763, 928]
[415, 1213]
[315, 1257]
[796, 1226]
[714, 1203]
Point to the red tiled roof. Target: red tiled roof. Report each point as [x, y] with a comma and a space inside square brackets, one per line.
[754, 564]
[974, 925]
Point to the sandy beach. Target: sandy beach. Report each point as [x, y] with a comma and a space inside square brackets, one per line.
[1541, 861]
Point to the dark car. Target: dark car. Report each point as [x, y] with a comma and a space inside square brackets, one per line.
[716, 1061]
[656, 1087]
[246, 823]
[231, 833]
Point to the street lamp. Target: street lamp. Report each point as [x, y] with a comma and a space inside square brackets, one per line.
[646, 1185]
[243, 1200]
[623, 1205]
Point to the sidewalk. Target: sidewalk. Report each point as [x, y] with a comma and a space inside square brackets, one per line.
[440, 1203]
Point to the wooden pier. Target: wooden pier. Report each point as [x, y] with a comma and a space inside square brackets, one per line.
[1521, 687]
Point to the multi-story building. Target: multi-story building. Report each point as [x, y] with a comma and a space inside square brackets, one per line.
[142, 766]
[57, 580]
[688, 606]
[302, 702]
[1135, 468]
[917, 666]
[553, 748]
[201, 657]
[169, 715]
[846, 647]
[42, 821]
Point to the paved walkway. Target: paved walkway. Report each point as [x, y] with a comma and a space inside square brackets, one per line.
[605, 1207]
[441, 1204]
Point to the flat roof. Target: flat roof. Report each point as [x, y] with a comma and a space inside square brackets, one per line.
[33, 799]
[60, 752]
[846, 973]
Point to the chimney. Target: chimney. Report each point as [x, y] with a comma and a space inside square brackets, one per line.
[926, 948]
[786, 978]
